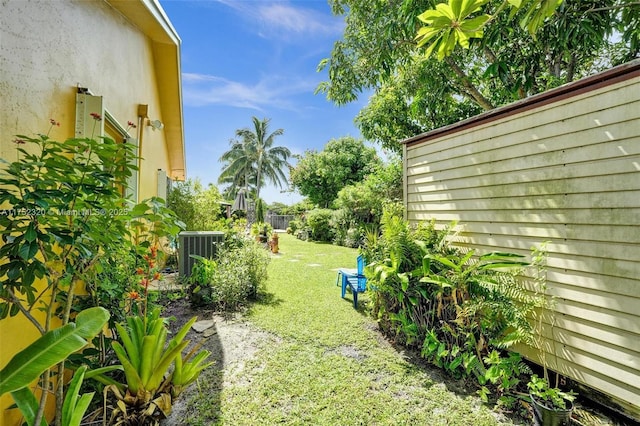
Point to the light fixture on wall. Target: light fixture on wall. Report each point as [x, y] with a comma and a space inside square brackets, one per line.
[156, 124]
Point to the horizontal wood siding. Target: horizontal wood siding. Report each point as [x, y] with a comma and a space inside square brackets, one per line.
[567, 172]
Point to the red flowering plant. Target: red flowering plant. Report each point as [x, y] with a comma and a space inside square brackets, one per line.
[156, 370]
[137, 299]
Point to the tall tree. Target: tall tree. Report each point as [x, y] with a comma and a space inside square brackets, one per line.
[488, 55]
[253, 158]
[238, 171]
[321, 175]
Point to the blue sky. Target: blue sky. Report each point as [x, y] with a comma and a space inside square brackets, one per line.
[256, 58]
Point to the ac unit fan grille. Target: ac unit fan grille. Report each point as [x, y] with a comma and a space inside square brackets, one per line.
[200, 243]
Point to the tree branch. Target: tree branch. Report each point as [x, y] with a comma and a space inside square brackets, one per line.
[615, 7]
[25, 312]
[475, 94]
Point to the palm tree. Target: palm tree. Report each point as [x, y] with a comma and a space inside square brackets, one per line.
[238, 170]
[253, 158]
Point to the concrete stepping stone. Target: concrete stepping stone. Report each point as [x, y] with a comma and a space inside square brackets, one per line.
[203, 325]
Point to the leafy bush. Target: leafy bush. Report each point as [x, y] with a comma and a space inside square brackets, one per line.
[460, 310]
[66, 225]
[240, 270]
[116, 276]
[198, 206]
[261, 229]
[319, 222]
[202, 271]
[294, 225]
[353, 238]
[341, 221]
[257, 260]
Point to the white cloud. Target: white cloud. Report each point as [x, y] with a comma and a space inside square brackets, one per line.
[281, 19]
[272, 91]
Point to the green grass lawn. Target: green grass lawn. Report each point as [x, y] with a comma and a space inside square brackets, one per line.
[327, 364]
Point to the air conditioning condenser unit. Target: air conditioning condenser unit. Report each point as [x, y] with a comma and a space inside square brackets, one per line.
[201, 243]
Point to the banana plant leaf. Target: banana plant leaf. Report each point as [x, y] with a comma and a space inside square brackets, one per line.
[51, 349]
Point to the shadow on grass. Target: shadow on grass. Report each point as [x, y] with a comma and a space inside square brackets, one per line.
[265, 298]
[363, 308]
[203, 396]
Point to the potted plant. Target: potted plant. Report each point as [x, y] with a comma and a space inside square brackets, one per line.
[551, 405]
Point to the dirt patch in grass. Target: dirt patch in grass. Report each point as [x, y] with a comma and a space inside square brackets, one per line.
[348, 351]
[231, 341]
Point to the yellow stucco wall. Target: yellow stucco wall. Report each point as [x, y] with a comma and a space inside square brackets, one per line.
[49, 48]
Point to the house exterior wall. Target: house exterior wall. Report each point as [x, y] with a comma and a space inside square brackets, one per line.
[563, 167]
[47, 50]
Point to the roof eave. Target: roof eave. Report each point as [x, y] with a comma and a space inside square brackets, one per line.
[151, 19]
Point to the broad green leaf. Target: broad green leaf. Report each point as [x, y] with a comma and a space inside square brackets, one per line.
[444, 260]
[469, 7]
[132, 348]
[81, 407]
[473, 27]
[28, 250]
[49, 350]
[456, 7]
[404, 282]
[437, 279]
[455, 363]
[28, 405]
[31, 234]
[72, 395]
[90, 321]
[163, 366]
[149, 344]
[131, 373]
[445, 10]
[162, 338]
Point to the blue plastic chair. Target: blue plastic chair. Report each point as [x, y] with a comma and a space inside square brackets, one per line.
[354, 279]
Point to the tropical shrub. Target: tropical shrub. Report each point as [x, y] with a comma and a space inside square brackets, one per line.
[262, 230]
[256, 260]
[260, 210]
[50, 349]
[115, 278]
[203, 270]
[353, 237]
[155, 370]
[319, 222]
[65, 216]
[197, 206]
[202, 275]
[459, 309]
[65, 210]
[294, 225]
